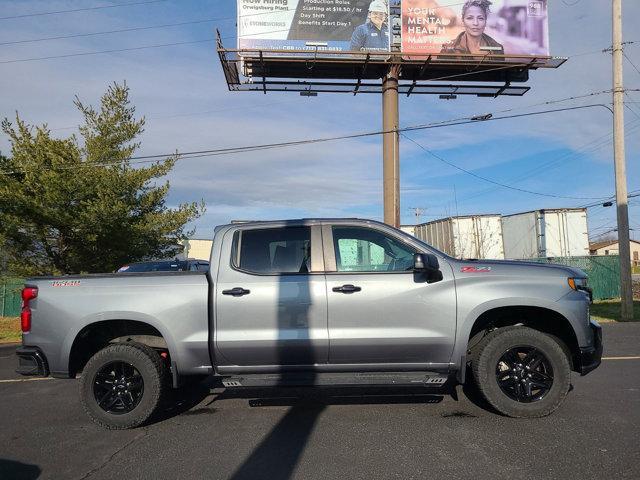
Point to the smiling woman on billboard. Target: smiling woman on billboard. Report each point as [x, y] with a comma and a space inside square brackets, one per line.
[510, 27]
[473, 39]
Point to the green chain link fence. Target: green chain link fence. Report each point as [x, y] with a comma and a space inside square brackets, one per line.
[603, 272]
[10, 301]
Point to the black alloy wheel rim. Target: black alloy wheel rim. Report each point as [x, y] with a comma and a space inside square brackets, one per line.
[524, 374]
[118, 387]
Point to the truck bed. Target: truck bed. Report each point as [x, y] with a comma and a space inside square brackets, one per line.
[174, 303]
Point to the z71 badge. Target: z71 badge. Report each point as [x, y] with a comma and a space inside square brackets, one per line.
[65, 283]
[475, 269]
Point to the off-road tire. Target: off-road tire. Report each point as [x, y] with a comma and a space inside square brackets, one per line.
[154, 374]
[485, 360]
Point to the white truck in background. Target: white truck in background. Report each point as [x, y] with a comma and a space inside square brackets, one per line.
[546, 234]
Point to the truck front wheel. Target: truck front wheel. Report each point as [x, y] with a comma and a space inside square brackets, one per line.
[521, 372]
[123, 385]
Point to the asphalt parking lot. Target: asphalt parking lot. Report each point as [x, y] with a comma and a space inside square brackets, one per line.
[347, 433]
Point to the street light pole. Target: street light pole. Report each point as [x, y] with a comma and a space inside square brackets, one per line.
[626, 291]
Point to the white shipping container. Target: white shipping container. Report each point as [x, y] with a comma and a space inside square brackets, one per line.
[410, 229]
[546, 233]
[477, 236]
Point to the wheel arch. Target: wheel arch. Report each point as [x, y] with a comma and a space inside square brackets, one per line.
[95, 335]
[542, 318]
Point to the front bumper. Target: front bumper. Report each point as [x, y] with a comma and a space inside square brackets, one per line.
[590, 358]
[31, 361]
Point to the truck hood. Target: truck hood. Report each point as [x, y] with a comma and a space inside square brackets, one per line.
[516, 267]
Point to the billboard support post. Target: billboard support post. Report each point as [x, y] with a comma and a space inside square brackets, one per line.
[391, 147]
[626, 291]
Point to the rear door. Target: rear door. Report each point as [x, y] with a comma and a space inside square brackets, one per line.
[271, 300]
[380, 311]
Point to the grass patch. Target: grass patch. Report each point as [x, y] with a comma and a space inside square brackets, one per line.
[10, 330]
[609, 310]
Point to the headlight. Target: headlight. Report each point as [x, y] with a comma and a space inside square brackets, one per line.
[577, 283]
[581, 285]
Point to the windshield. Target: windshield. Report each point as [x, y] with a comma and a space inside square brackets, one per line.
[163, 266]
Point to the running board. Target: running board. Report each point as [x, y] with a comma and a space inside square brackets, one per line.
[431, 379]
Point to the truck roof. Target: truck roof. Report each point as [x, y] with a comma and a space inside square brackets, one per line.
[308, 221]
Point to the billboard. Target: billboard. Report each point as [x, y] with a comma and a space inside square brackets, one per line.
[505, 27]
[315, 25]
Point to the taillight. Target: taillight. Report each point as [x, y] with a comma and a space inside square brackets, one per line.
[28, 294]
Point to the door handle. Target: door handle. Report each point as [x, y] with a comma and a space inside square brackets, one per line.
[236, 292]
[347, 289]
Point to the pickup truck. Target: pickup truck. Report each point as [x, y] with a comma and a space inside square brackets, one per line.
[314, 302]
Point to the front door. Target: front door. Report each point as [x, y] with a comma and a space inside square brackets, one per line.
[380, 311]
[271, 301]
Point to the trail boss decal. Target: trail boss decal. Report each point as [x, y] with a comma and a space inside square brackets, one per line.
[475, 269]
[65, 283]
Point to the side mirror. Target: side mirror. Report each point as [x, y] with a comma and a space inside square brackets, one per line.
[427, 263]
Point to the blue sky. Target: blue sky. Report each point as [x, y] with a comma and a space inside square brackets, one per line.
[181, 91]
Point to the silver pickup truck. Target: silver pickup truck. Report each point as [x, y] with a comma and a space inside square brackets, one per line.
[314, 302]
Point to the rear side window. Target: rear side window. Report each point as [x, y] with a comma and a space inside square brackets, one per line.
[273, 250]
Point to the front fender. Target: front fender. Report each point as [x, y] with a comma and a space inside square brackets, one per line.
[467, 322]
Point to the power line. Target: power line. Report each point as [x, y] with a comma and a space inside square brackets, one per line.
[135, 29]
[589, 147]
[187, 114]
[488, 180]
[108, 32]
[130, 49]
[632, 64]
[252, 148]
[486, 118]
[546, 102]
[205, 112]
[633, 194]
[80, 9]
[83, 54]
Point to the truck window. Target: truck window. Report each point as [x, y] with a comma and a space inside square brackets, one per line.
[274, 250]
[366, 250]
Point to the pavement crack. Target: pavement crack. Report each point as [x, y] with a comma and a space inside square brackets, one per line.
[112, 456]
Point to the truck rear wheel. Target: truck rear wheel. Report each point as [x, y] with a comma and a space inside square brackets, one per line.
[521, 372]
[122, 385]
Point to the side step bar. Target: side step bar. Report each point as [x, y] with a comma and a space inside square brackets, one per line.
[430, 379]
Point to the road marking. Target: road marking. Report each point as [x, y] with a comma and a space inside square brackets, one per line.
[15, 380]
[620, 358]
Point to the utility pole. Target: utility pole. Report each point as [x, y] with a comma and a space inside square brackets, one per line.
[626, 291]
[417, 213]
[391, 147]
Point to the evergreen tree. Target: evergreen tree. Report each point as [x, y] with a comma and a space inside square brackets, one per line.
[70, 206]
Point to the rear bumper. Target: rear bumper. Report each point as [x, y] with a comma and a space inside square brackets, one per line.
[31, 361]
[590, 358]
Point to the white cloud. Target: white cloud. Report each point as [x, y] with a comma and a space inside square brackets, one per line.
[337, 178]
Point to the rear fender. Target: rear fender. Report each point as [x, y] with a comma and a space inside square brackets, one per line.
[117, 315]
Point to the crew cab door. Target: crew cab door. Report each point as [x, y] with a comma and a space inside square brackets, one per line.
[271, 301]
[380, 311]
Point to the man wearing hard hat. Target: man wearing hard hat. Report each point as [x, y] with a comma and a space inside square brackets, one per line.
[374, 34]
